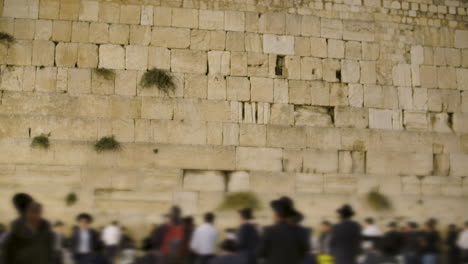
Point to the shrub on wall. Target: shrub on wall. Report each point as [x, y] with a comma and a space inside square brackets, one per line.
[41, 141]
[161, 79]
[105, 73]
[71, 199]
[6, 38]
[378, 201]
[240, 200]
[107, 144]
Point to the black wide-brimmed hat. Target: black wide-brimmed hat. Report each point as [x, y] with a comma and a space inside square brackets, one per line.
[297, 217]
[85, 216]
[346, 211]
[282, 208]
[246, 213]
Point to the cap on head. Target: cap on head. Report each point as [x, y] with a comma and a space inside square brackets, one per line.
[282, 208]
[209, 217]
[246, 213]
[21, 202]
[346, 211]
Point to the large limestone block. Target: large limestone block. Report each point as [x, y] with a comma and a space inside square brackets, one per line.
[340, 184]
[238, 181]
[99, 33]
[443, 100]
[252, 135]
[414, 120]
[282, 114]
[377, 96]
[331, 70]
[230, 134]
[312, 116]
[440, 122]
[157, 108]
[79, 81]
[285, 136]
[21, 8]
[111, 56]
[234, 21]
[356, 95]
[46, 79]
[353, 50]
[355, 117]
[257, 64]
[204, 180]
[61, 30]
[43, 30]
[189, 61]
[216, 87]
[331, 28]
[171, 37]
[159, 58]
[458, 164]
[136, 57]
[320, 93]
[49, 9]
[320, 161]
[238, 63]
[162, 16]
[219, 62]
[318, 47]
[399, 163]
[140, 35]
[147, 15]
[311, 68]
[293, 24]
[278, 44]
[462, 78]
[417, 55]
[402, 75]
[299, 92]
[196, 86]
[211, 19]
[184, 17]
[43, 53]
[370, 51]
[368, 72]
[119, 34]
[109, 12]
[359, 31]
[24, 28]
[428, 76]
[80, 32]
[235, 41]
[130, 14]
[238, 88]
[179, 132]
[125, 82]
[87, 56]
[446, 77]
[350, 71]
[159, 179]
[380, 118]
[461, 39]
[66, 54]
[20, 53]
[460, 122]
[268, 182]
[100, 85]
[309, 183]
[259, 159]
[89, 11]
[310, 26]
[336, 49]
[261, 89]
[272, 23]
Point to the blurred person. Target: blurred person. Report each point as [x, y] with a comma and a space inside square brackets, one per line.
[462, 243]
[248, 237]
[111, 237]
[59, 242]
[30, 240]
[430, 243]
[127, 247]
[85, 242]
[3, 235]
[412, 244]
[173, 240]
[189, 225]
[453, 252]
[282, 242]
[386, 252]
[370, 234]
[147, 241]
[323, 244]
[229, 254]
[204, 239]
[345, 242]
[158, 235]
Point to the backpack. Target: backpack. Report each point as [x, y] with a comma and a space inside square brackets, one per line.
[173, 244]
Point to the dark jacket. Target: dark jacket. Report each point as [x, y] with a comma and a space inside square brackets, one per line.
[95, 242]
[228, 259]
[248, 240]
[25, 246]
[412, 242]
[453, 252]
[431, 242]
[345, 242]
[283, 243]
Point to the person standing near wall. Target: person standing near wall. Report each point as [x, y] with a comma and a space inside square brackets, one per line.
[431, 243]
[111, 237]
[204, 239]
[453, 252]
[462, 243]
[85, 241]
[412, 244]
[247, 236]
[346, 237]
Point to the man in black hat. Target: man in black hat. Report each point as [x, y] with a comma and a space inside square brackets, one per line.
[283, 242]
[85, 241]
[248, 237]
[346, 237]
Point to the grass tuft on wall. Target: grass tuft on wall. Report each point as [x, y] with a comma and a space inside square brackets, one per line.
[378, 201]
[240, 200]
[161, 79]
[41, 141]
[107, 144]
[6, 38]
[71, 199]
[107, 74]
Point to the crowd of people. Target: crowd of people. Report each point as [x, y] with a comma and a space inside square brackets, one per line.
[32, 240]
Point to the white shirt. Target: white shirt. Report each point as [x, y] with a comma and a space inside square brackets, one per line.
[111, 235]
[462, 241]
[85, 237]
[370, 231]
[204, 240]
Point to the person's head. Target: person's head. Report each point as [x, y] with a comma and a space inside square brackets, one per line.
[21, 202]
[452, 228]
[283, 209]
[188, 221]
[175, 213]
[115, 223]
[392, 226]
[369, 221]
[412, 226]
[84, 220]
[345, 212]
[431, 224]
[58, 227]
[209, 218]
[33, 212]
[246, 214]
[229, 246]
[325, 227]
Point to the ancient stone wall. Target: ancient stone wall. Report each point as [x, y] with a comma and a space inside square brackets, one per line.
[319, 100]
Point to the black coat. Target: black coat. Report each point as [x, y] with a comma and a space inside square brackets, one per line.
[283, 243]
[228, 259]
[248, 239]
[95, 242]
[25, 246]
[345, 242]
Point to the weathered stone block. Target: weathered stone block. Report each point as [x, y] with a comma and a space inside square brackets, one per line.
[272, 23]
[309, 183]
[350, 71]
[359, 30]
[351, 117]
[119, 34]
[446, 77]
[183, 17]
[461, 39]
[284, 136]
[20, 53]
[87, 56]
[238, 63]
[238, 89]
[318, 47]
[99, 33]
[24, 28]
[331, 28]
[234, 21]
[368, 72]
[43, 30]
[66, 54]
[235, 41]
[312, 116]
[443, 100]
[370, 51]
[162, 16]
[43, 53]
[440, 123]
[415, 120]
[219, 62]
[458, 164]
[261, 159]
[282, 114]
[46, 79]
[460, 122]
[136, 57]
[320, 161]
[336, 49]
[203, 180]
[102, 86]
[189, 61]
[230, 134]
[428, 76]
[399, 163]
[109, 12]
[49, 9]
[278, 44]
[140, 35]
[311, 68]
[89, 11]
[331, 70]
[159, 58]
[80, 32]
[299, 92]
[171, 37]
[216, 87]
[21, 8]
[252, 135]
[310, 26]
[238, 181]
[111, 56]
[79, 81]
[380, 118]
[130, 14]
[261, 89]
[353, 50]
[402, 75]
[147, 15]
[210, 19]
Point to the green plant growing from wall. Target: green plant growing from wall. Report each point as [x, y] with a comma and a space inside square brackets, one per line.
[6, 38]
[107, 74]
[161, 79]
[107, 144]
[71, 199]
[378, 201]
[240, 200]
[41, 141]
